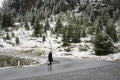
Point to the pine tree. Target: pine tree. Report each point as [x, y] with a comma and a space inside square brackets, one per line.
[76, 35]
[118, 37]
[47, 26]
[99, 25]
[7, 21]
[27, 26]
[43, 38]
[8, 36]
[59, 26]
[13, 35]
[103, 44]
[84, 33]
[3, 24]
[111, 31]
[65, 37]
[37, 30]
[33, 20]
[109, 26]
[17, 40]
[71, 33]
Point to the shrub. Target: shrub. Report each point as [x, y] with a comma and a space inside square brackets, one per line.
[17, 40]
[65, 44]
[13, 61]
[68, 49]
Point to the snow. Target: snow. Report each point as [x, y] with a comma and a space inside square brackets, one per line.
[52, 24]
[34, 46]
[1, 3]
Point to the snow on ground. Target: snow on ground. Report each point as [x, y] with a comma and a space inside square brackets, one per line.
[35, 46]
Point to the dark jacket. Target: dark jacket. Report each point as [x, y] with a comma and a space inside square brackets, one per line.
[50, 57]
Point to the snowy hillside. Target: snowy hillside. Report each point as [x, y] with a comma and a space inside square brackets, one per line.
[35, 46]
[66, 29]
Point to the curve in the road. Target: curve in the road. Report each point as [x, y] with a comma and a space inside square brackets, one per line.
[65, 65]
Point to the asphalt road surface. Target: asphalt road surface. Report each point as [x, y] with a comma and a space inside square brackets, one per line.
[66, 69]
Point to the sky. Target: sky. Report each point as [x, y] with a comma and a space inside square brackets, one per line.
[1, 3]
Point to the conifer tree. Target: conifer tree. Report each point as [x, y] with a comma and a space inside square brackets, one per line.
[17, 40]
[103, 44]
[43, 38]
[47, 26]
[76, 35]
[99, 25]
[33, 20]
[109, 26]
[27, 26]
[3, 24]
[65, 37]
[59, 26]
[83, 33]
[71, 33]
[7, 21]
[7, 36]
[111, 31]
[37, 30]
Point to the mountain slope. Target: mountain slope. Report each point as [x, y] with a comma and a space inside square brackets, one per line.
[67, 27]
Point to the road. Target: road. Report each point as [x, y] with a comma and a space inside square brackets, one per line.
[66, 69]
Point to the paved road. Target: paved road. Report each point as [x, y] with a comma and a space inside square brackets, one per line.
[111, 72]
[67, 69]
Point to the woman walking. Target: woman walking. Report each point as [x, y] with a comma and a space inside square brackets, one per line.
[50, 60]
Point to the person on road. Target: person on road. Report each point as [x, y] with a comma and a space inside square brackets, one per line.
[50, 60]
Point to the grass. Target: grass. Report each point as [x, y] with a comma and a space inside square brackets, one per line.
[34, 51]
[6, 61]
[28, 51]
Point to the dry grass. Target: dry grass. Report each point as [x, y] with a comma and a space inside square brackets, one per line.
[35, 51]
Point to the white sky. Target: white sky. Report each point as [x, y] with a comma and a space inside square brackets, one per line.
[1, 3]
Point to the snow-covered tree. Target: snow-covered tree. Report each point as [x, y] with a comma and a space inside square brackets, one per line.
[111, 30]
[27, 26]
[17, 40]
[71, 33]
[33, 20]
[59, 26]
[103, 44]
[37, 29]
[99, 25]
[8, 36]
[83, 33]
[7, 21]
[65, 37]
[47, 26]
[43, 38]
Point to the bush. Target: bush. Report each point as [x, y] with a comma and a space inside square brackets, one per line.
[39, 53]
[27, 26]
[7, 21]
[37, 29]
[68, 49]
[17, 40]
[13, 35]
[13, 61]
[65, 44]
[43, 39]
[8, 36]
[81, 48]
